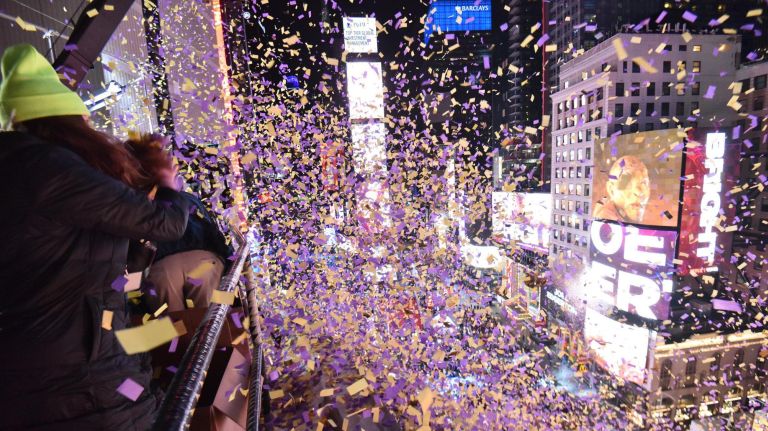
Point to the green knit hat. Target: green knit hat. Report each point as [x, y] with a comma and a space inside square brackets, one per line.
[31, 88]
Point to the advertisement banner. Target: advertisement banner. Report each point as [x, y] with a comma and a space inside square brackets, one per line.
[631, 269]
[457, 15]
[702, 203]
[619, 348]
[360, 35]
[366, 90]
[636, 178]
[524, 218]
[369, 150]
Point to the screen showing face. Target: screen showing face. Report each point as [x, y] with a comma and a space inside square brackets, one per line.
[365, 90]
[620, 348]
[637, 178]
[522, 217]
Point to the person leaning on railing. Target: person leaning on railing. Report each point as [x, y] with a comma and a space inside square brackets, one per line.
[70, 207]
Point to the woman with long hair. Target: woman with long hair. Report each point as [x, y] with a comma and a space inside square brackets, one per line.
[71, 202]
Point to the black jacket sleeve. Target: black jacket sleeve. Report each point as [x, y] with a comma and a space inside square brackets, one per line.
[74, 193]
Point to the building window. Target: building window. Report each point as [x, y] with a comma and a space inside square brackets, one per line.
[760, 82]
[696, 48]
[620, 89]
[696, 88]
[579, 154]
[586, 189]
[624, 67]
[682, 48]
[680, 89]
[651, 89]
[600, 94]
[633, 109]
[578, 171]
[587, 171]
[619, 110]
[650, 109]
[597, 134]
[696, 67]
[667, 67]
[635, 67]
[757, 104]
[665, 108]
[680, 108]
[665, 380]
[589, 150]
[636, 89]
[648, 127]
[589, 134]
[681, 66]
[666, 88]
[694, 107]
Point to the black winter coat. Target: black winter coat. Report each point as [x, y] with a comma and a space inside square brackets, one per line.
[64, 231]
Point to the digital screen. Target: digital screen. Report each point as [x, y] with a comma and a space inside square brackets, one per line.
[365, 90]
[631, 269]
[457, 15]
[369, 150]
[360, 35]
[702, 202]
[636, 178]
[523, 218]
[619, 348]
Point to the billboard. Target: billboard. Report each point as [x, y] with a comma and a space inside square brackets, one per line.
[483, 257]
[705, 161]
[619, 348]
[365, 89]
[631, 269]
[522, 217]
[457, 16]
[369, 150]
[636, 178]
[360, 35]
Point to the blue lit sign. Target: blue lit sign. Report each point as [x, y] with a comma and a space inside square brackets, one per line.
[457, 16]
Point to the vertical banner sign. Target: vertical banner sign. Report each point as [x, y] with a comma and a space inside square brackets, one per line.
[702, 203]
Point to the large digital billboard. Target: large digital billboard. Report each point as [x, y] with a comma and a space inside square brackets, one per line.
[620, 348]
[365, 89]
[631, 269]
[360, 35]
[636, 178]
[457, 16]
[705, 162]
[369, 150]
[522, 217]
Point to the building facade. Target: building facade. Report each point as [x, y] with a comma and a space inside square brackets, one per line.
[602, 95]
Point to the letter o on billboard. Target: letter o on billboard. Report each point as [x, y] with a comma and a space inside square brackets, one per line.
[615, 239]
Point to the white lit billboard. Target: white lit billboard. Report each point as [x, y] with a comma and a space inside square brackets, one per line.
[360, 35]
[620, 348]
[365, 89]
[369, 150]
[522, 217]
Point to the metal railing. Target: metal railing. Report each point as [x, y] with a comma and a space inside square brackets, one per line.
[184, 391]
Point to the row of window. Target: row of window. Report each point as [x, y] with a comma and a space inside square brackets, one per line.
[650, 109]
[579, 154]
[578, 240]
[572, 189]
[573, 220]
[650, 89]
[576, 101]
[758, 83]
[571, 172]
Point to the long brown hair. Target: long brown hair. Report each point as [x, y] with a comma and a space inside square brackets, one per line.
[98, 149]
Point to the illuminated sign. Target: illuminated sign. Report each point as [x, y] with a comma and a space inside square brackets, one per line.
[365, 89]
[636, 178]
[457, 16]
[369, 150]
[522, 217]
[710, 202]
[629, 268]
[360, 35]
[619, 348]
[702, 203]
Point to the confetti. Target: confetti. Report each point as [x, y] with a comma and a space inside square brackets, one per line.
[146, 337]
[130, 389]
